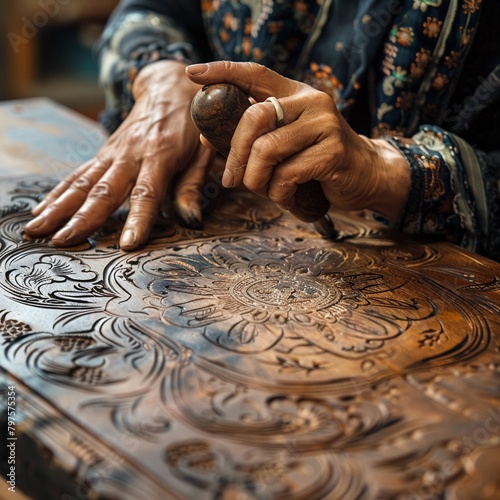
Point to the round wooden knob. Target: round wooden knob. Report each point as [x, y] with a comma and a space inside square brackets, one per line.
[216, 110]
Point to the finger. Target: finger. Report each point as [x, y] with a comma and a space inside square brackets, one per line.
[254, 79]
[297, 169]
[206, 144]
[61, 187]
[145, 200]
[270, 150]
[65, 200]
[106, 195]
[257, 121]
[189, 189]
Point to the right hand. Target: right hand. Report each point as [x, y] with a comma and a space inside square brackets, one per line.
[156, 142]
[314, 143]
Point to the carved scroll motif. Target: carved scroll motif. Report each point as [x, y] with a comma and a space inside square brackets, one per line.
[253, 357]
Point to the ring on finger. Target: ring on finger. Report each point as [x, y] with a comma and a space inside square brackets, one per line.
[280, 115]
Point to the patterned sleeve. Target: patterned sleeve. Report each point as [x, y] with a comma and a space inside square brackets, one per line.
[131, 41]
[455, 193]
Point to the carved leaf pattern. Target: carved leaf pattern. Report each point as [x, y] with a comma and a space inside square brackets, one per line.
[270, 364]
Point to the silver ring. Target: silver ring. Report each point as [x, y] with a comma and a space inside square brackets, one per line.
[280, 115]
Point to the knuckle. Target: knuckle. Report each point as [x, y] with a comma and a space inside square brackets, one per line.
[256, 114]
[266, 147]
[278, 199]
[80, 218]
[101, 164]
[83, 183]
[137, 220]
[286, 189]
[322, 97]
[336, 150]
[101, 159]
[283, 185]
[227, 65]
[54, 208]
[136, 136]
[144, 192]
[236, 160]
[103, 191]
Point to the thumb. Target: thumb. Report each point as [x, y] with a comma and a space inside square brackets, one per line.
[252, 78]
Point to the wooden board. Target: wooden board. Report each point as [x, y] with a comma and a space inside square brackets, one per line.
[250, 359]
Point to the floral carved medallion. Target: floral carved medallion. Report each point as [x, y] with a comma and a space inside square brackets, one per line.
[254, 358]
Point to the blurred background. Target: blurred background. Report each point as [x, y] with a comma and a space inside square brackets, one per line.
[46, 50]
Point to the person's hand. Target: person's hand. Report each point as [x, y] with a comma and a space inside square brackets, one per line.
[314, 143]
[154, 144]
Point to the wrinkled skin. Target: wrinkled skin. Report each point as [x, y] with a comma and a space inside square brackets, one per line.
[155, 143]
[158, 142]
[314, 143]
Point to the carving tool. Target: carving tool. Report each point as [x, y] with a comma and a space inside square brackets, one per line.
[216, 110]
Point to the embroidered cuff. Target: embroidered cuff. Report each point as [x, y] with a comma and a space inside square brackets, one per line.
[440, 202]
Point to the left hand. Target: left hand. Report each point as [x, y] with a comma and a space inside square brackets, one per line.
[155, 151]
[315, 143]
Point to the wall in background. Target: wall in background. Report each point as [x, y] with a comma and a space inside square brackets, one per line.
[3, 50]
[47, 50]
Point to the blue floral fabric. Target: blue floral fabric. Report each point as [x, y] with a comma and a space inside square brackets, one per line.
[422, 57]
[271, 33]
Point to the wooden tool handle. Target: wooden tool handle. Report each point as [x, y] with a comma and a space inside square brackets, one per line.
[216, 110]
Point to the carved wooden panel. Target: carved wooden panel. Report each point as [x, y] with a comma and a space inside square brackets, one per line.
[250, 359]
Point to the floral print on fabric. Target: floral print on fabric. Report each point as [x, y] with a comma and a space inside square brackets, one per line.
[272, 33]
[422, 55]
[321, 77]
[440, 202]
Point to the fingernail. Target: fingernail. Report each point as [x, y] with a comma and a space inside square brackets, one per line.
[128, 238]
[64, 235]
[192, 220]
[227, 179]
[38, 209]
[190, 215]
[197, 69]
[34, 224]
